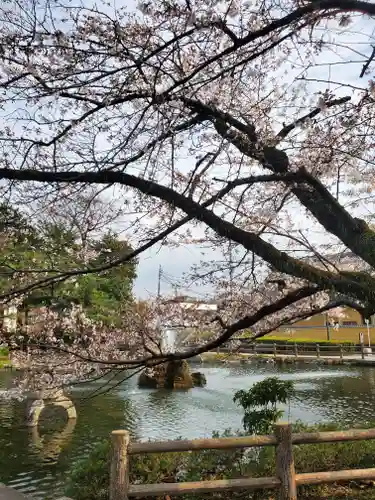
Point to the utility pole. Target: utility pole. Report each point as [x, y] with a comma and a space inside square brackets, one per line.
[159, 281]
[158, 319]
[327, 327]
[230, 273]
[230, 298]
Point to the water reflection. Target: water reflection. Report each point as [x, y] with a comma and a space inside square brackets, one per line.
[50, 448]
[343, 398]
[35, 461]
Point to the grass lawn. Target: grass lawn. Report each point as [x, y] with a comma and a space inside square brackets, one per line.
[319, 334]
[303, 336]
[318, 338]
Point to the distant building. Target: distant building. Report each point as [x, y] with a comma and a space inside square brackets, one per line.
[344, 323]
[10, 318]
[185, 302]
[348, 327]
[186, 312]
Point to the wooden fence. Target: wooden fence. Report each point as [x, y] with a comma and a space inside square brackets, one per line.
[286, 480]
[316, 350]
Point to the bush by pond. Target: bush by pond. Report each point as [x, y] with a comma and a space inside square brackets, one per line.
[89, 478]
[4, 351]
[4, 357]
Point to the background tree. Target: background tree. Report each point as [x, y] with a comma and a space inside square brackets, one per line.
[51, 245]
[105, 296]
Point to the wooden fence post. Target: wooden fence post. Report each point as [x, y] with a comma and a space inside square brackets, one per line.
[285, 462]
[295, 350]
[341, 352]
[274, 349]
[255, 348]
[363, 351]
[317, 351]
[119, 474]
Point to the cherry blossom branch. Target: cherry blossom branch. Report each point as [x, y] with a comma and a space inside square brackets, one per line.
[249, 321]
[300, 121]
[107, 93]
[228, 332]
[324, 6]
[353, 232]
[292, 18]
[295, 176]
[367, 64]
[281, 261]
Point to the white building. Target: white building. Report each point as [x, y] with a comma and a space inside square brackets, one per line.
[10, 319]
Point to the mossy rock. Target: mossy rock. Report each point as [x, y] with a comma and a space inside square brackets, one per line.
[147, 382]
[171, 375]
[178, 375]
[199, 379]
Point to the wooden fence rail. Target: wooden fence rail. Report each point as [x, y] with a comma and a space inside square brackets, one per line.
[285, 481]
[296, 350]
[317, 350]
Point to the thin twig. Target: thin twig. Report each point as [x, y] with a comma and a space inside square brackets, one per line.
[368, 62]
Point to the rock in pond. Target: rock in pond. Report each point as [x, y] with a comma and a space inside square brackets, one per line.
[199, 379]
[171, 375]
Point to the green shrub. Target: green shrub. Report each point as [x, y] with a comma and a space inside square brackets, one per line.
[4, 357]
[89, 478]
[4, 351]
[260, 403]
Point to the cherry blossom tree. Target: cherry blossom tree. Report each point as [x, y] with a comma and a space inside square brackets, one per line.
[243, 126]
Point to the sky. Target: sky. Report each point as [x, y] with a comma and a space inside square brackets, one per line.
[177, 261]
[174, 263]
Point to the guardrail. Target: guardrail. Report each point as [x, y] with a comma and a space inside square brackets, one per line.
[296, 350]
[286, 480]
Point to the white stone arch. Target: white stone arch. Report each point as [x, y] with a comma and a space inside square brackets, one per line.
[40, 400]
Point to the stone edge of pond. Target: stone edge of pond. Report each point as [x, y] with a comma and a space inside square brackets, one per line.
[283, 360]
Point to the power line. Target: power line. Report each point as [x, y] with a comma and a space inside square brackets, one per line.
[159, 281]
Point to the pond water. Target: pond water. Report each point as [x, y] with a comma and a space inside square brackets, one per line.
[35, 461]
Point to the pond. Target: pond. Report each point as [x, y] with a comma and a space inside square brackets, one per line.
[35, 461]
